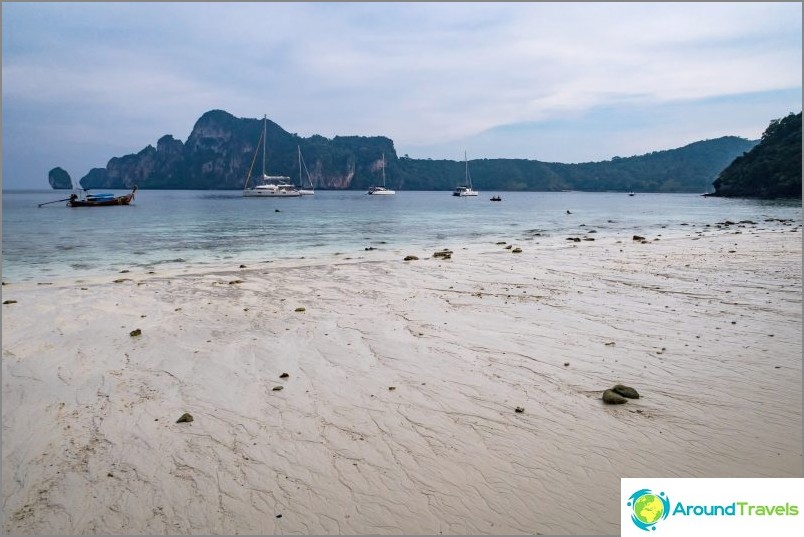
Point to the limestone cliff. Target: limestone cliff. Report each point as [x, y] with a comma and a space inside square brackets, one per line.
[59, 179]
[222, 148]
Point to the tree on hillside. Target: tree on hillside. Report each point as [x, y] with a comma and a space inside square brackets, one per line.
[772, 169]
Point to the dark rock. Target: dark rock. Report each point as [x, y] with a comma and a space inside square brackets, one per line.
[135, 333]
[610, 397]
[300, 310]
[9, 302]
[277, 388]
[185, 418]
[638, 238]
[519, 410]
[59, 179]
[625, 391]
[411, 258]
[284, 376]
[516, 251]
[391, 388]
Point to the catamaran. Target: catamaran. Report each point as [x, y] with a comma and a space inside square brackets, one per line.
[381, 190]
[273, 186]
[466, 189]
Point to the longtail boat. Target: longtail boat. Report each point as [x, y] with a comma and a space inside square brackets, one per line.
[101, 200]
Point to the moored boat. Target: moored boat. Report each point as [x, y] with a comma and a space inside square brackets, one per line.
[381, 190]
[101, 200]
[273, 186]
[465, 190]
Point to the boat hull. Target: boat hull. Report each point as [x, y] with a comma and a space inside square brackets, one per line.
[272, 194]
[102, 202]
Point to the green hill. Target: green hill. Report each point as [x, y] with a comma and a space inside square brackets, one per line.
[772, 169]
[220, 150]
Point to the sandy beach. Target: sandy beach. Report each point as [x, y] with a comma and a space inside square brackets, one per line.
[397, 413]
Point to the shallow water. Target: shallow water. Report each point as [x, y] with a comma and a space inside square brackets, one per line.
[177, 227]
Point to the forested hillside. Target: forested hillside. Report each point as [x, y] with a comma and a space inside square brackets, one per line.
[772, 169]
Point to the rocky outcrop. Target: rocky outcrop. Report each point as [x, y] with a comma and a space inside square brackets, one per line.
[222, 149]
[59, 179]
[221, 153]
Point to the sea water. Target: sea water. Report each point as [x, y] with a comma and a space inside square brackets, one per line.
[178, 227]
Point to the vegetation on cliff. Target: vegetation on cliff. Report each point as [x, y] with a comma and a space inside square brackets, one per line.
[221, 149]
[772, 169]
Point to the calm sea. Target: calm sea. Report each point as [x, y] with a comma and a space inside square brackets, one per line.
[174, 228]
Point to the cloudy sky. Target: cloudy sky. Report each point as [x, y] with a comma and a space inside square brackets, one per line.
[554, 82]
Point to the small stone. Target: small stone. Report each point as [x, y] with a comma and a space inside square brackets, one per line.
[411, 258]
[625, 391]
[519, 410]
[135, 333]
[284, 376]
[566, 364]
[277, 388]
[185, 418]
[391, 388]
[235, 281]
[300, 310]
[9, 302]
[278, 516]
[516, 251]
[638, 238]
[612, 398]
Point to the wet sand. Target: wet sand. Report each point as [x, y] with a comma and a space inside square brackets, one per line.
[397, 414]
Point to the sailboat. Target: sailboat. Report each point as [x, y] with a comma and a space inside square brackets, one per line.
[304, 191]
[466, 189]
[273, 186]
[381, 190]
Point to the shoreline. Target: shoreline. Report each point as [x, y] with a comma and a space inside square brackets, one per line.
[398, 412]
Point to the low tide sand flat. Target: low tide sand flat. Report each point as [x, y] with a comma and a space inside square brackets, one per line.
[706, 327]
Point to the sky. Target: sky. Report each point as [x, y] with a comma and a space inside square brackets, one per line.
[555, 82]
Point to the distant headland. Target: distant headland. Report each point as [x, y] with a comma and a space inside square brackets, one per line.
[220, 150]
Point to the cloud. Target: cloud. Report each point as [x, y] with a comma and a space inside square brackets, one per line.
[427, 75]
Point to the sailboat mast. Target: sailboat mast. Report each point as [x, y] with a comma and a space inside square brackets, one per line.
[301, 184]
[383, 170]
[264, 141]
[466, 161]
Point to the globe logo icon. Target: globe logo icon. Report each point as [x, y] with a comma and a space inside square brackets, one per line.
[648, 508]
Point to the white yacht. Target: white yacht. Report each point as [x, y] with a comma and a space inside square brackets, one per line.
[465, 190]
[273, 186]
[302, 190]
[381, 190]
